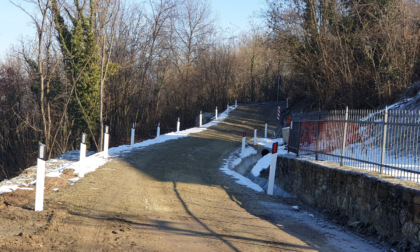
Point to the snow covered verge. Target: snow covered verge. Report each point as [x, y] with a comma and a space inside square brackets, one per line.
[252, 179]
[338, 236]
[70, 160]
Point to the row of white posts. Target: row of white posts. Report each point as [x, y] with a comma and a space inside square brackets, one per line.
[178, 124]
[273, 163]
[42, 157]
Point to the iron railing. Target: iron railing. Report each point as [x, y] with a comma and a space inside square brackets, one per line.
[385, 141]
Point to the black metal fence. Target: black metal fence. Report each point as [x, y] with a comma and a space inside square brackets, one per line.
[386, 141]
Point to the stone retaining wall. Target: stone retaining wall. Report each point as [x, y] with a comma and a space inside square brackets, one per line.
[390, 206]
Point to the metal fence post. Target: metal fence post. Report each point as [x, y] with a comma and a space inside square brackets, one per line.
[317, 135]
[384, 140]
[344, 136]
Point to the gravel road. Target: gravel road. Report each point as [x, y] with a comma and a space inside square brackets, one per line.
[170, 197]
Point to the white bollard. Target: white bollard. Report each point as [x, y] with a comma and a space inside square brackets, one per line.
[40, 178]
[201, 119]
[272, 173]
[133, 131]
[82, 156]
[243, 144]
[106, 141]
[265, 131]
[158, 130]
[216, 112]
[236, 103]
[178, 126]
[255, 135]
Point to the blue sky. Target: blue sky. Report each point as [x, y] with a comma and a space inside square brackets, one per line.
[233, 15]
[236, 14]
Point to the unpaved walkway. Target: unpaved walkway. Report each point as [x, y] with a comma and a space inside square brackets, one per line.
[172, 197]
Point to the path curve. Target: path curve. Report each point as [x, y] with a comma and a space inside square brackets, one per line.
[173, 197]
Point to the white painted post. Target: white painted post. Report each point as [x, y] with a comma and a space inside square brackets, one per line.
[236, 103]
[255, 135]
[158, 130]
[82, 156]
[40, 178]
[243, 144]
[216, 112]
[201, 119]
[106, 141]
[265, 130]
[132, 135]
[272, 173]
[178, 125]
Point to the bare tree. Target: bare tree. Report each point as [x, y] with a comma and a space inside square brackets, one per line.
[108, 15]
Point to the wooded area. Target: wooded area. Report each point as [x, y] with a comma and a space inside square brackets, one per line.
[360, 54]
[109, 62]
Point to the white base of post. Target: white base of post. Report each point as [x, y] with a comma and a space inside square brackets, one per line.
[243, 146]
[132, 136]
[178, 126]
[40, 182]
[255, 137]
[106, 145]
[265, 131]
[201, 120]
[158, 132]
[216, 113]
[272, 174]
[227, 108]
[236, 103]
[82, 160]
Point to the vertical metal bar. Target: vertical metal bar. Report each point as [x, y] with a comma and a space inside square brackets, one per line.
[416, 157]
[400, 127]
[384, 139]
[392, 144]
[411, 145]
[394, 132]
[403, 144]
[344, 136]
[317, 135]
[400, 153]
[406, 159]
[396, 137]
[373, 136]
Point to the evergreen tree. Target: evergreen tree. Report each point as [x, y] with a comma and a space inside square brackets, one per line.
[82, 65]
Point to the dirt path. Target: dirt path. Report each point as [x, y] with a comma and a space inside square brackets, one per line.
[171, 197]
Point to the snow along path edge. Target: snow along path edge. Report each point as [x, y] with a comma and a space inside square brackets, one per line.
[55, 166]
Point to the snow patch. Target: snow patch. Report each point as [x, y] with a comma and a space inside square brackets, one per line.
[95, 160]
